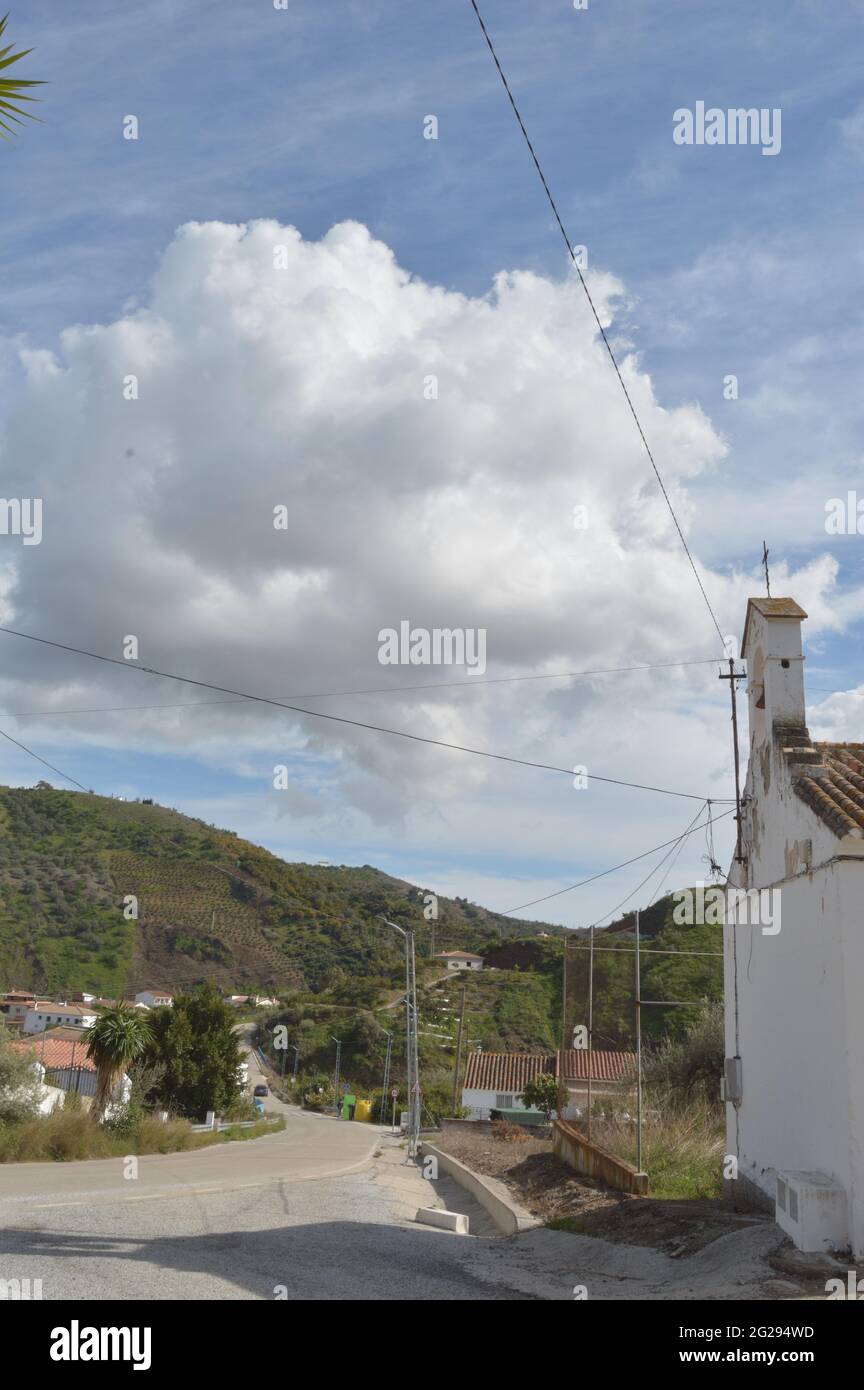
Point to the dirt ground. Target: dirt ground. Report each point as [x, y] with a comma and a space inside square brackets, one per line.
[550, 1190]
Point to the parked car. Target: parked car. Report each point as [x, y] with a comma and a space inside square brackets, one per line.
[261, 1090]
[259, 1106]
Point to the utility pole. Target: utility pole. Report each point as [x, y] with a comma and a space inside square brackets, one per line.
[338, 1042]
[412, 1054]
[459, 1049]
[386, 1082]
[296, 1052]
[638, 1053]
[732, 677]
[590, 1022]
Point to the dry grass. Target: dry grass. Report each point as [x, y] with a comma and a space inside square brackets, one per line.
[682, 1144]
[71, 1135]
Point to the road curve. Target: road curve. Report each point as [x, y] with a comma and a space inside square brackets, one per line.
[311, 1146]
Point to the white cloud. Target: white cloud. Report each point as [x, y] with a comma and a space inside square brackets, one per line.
[304, 386]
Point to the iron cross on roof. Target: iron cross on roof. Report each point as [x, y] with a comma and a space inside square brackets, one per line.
[765, 554]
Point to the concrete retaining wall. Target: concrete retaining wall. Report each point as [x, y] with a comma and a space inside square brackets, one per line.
[492, 1195]
[589, 1159]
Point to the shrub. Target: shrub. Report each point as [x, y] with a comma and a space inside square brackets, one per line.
[507, 1133]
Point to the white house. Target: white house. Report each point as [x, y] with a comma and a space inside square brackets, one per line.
[47, 1014]
[612, 1074]
[794, 956]
[63, 1065]
[496, 1080]
[153, 998]
[460, 960]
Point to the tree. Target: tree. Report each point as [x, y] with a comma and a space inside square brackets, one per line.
[12, 88]
[195, 1042]
[20, 1087]
[541, 1093]
[117, 1038]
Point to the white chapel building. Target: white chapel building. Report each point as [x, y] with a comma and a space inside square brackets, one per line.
[794, 978]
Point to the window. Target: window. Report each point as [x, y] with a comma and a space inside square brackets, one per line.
[504, 1102]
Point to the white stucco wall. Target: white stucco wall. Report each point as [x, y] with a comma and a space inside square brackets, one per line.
[795, 1000]
[481, 1102]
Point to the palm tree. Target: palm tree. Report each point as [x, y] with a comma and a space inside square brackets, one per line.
[12, 88]
[119, 1035]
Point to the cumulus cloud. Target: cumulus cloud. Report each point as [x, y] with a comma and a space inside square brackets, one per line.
[429, 450]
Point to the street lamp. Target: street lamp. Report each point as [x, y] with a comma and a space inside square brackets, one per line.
[338, 1042]
[386, 1082]
[412, 1056]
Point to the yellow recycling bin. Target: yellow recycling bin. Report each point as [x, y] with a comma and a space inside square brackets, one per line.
[363, 1110]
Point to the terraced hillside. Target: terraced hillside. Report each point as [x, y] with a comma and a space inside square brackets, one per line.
[210, 905]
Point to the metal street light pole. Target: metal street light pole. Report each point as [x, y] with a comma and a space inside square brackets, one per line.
[412, 1055]
[338, 1042]
[296, 1052]
[386, 1082]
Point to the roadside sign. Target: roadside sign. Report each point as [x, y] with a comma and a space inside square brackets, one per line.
[395, 1092]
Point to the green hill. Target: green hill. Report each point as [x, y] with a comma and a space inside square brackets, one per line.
[210, 906]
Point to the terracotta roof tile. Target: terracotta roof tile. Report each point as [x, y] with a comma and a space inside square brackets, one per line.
[56, 1052]
[605, 1066]
[510, 1071]
[505, 1071]
[829, 777]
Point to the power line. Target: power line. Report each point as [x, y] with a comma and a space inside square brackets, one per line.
[605, 872]
[64, 775]
[602, 330]
[670, 854]
[377, 690]
[341, 719]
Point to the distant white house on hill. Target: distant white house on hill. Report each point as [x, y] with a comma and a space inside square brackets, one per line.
[794, 956]
[460, 960]
[154, 998]
[45, 1013]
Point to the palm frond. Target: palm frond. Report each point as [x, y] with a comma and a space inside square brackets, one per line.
[12, 88]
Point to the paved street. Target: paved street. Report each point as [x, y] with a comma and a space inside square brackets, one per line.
[260, 1219]
[323, 1210]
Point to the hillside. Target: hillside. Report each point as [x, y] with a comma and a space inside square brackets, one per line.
[210, 906]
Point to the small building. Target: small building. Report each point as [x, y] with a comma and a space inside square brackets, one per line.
[46, 1012]
[496, 1080]
[460, 960]
[612, 1074]
[15, 1005]
[794, 956]
[154, 998]
[63, 1065]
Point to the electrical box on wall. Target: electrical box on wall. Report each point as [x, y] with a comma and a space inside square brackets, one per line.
[730, 1085]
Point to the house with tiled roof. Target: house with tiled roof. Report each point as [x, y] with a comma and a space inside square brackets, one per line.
[154, 998]
[496, 1080]
[794, 956]
[46, 1012]
[63, 1064]
[460, 960]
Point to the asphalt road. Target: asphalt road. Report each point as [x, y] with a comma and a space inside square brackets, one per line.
[307, 1214]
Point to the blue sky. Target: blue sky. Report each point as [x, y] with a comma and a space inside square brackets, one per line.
[729, 262]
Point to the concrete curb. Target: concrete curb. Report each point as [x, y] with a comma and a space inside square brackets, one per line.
[492, 1195]
[445, 1220]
